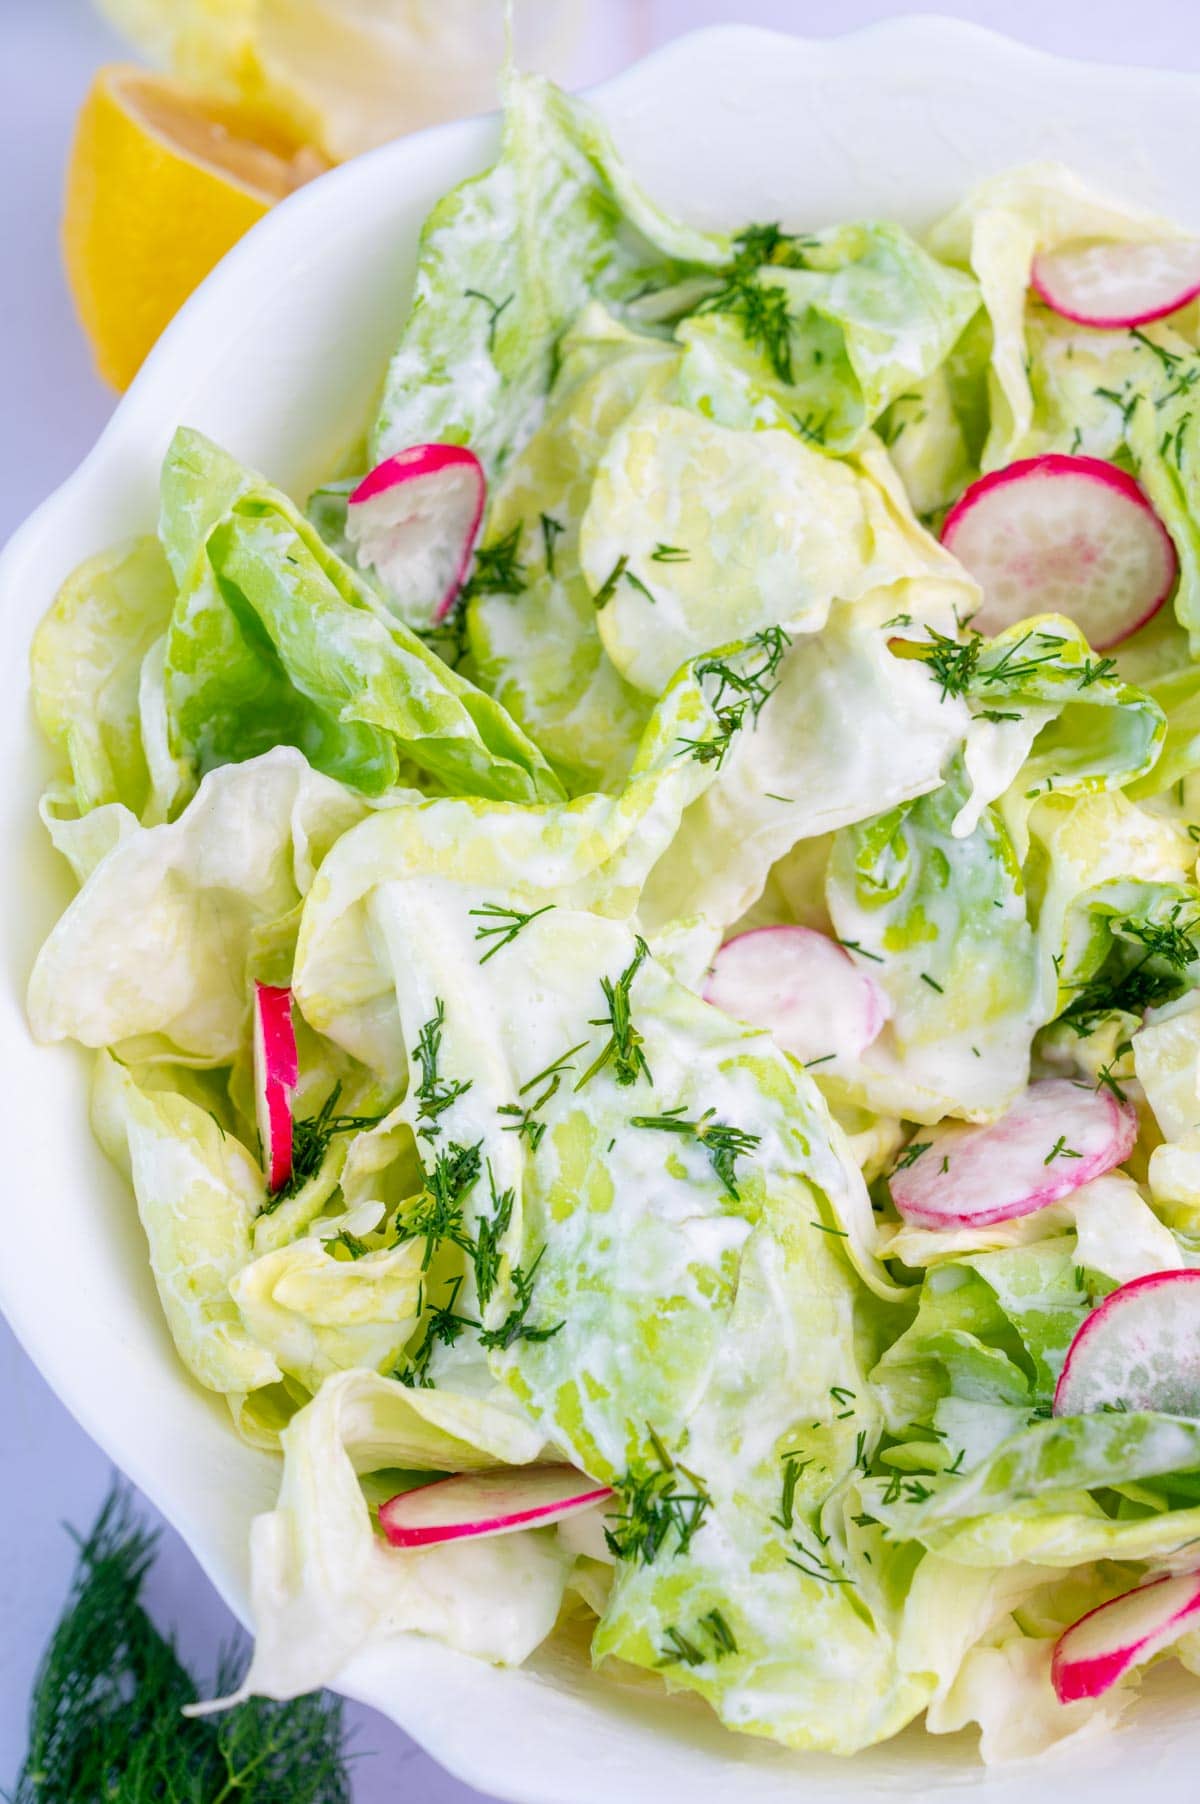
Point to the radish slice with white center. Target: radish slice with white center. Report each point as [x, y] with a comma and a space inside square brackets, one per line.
[1114, 285]
[1055, 1138]
[1063, 535]
[488, 1503]
[276, 1074]
[802, 987]
[414, 521]
[1139, 1350]
[1127, 1631]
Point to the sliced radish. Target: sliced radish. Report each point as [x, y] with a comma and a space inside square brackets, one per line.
[802, 987]
[1139, 1350]
[488, 1503]
[1057, 1137]
[1125, 1632]
[1113, 285]
[1063, 535]
[414, 520]
[276, 1074]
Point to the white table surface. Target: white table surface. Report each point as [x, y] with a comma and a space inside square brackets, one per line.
[54, 408]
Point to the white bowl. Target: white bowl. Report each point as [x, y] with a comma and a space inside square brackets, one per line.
[278, 357]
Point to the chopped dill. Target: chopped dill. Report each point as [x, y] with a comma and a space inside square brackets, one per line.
[505, 924]
[434, 1094]
[723, 1144]
[310, 1143]
[623, 1050]
[655, 1508]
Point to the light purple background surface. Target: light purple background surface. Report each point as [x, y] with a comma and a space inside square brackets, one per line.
[54, 407]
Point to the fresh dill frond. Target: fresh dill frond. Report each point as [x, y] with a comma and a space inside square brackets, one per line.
[310, 1143]
[437, 1215]
[502, 925]
[434, 1093]
[953, 662]
[623, 1050]
[515, 1327]
[495, 310]
[655, 1509]
[608, 587]
[498, 569]
[106, 1720]
[1157, 975]
[723, 1144]
[750, 686]
[443, 1327]
[669, 554]
[485, 1253]
[910, 1155]
[793, 1466]
[552, 529]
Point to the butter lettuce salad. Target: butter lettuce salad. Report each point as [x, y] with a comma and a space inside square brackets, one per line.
[642, 955]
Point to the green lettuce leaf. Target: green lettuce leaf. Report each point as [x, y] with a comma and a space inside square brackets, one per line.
[506, 262]
[324, 1585]
[274, 641]
[867, 314]
[198, 1191]
[87, 663]
[157, 953]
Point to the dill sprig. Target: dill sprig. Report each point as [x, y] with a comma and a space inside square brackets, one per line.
[495, 310]
[437, 1215]
[552, 529]
[655, 1508]
[515, 1327]
[623, 1049]
[105, 1719]
[498, 568]
[723, 1144]
[751, 686]
[619, 573]
[443, 1327]
[669, 554]
[310, 1143]
[502, 925]
[793, 1466]
[434, 1094]
[485, 1254]
[1158, 975]
[760, 308]
[526, 1122]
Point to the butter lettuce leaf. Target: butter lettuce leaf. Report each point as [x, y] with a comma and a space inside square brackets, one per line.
[274, 641]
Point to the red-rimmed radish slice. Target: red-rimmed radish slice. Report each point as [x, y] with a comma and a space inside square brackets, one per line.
[1114, 285]
[1102, 1646]
[488, 1503]
[1057, 1137]
[1139, 1350]
[802, 987]
[414, 520]
[1063, 535]
[276, 1074]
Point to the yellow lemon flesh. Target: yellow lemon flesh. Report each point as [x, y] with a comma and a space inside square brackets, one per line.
[159, 186]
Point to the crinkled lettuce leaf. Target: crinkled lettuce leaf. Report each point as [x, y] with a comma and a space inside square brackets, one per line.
[760, 530]
[942, 921]
[274, 641]
[198, 1191]
[537, 650]
[324, 1584]
[88, 660]
[507, 260]
[869, 313]
[319, 1313]
[157, 953]
[995, 233]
